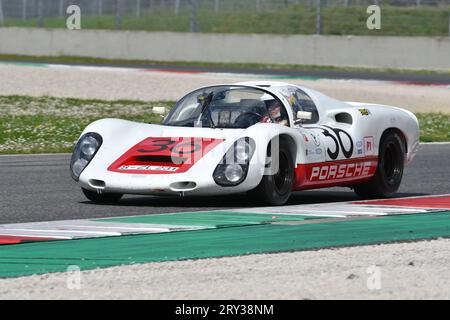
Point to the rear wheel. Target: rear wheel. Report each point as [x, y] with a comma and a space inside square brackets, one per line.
[102, 197]
[388, 176]
[277, 188]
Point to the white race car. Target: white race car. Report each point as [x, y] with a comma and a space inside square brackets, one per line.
[265, 138]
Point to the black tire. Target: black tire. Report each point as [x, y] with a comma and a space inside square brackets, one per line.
[391, 161]
[105, 198]
[276, 189]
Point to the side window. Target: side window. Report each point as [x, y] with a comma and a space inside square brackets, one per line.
[300, 101]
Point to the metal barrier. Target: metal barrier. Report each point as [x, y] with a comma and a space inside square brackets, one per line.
[318, 16]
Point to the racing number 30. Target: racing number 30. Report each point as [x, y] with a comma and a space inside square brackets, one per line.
[173, 146]
[338, 142]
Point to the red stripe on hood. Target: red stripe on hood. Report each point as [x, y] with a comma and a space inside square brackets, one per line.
[164, 155]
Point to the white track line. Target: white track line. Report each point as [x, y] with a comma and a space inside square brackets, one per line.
[36, 236]
[434, 143]
[105, 227]
[5, 231]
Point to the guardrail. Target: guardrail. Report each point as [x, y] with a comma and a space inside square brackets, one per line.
[344, 17]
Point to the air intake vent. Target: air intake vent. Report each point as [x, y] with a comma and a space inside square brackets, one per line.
[160, 159]
[344, 117]
[97, 184]
[183, 186]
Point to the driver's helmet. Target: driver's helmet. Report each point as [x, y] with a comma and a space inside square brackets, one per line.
[275, 110]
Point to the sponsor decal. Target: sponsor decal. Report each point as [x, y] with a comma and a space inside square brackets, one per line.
[317, 151]
[340, 171]
[315, 139]
[364, 112]
[305, 137]
[148, 168]
[369, 147]
[334, 173]
[359, 148]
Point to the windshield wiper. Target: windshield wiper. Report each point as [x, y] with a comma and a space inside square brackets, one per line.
[205, 107]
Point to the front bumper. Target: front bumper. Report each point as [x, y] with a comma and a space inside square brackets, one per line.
[189, 183]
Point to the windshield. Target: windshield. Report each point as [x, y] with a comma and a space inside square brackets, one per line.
[227, 107]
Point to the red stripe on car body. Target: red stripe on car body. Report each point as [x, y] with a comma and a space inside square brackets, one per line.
[334, 173]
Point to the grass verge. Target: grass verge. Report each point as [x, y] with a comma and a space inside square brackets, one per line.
[52, 125]
[291, 19]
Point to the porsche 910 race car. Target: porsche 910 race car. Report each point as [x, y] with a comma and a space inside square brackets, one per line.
[265, 138]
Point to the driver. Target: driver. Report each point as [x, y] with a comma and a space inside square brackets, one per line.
[275, 115]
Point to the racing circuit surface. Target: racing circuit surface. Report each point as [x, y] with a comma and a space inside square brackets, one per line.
[155, 85]
[39, 188]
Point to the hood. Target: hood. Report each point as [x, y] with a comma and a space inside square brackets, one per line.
[139, 148]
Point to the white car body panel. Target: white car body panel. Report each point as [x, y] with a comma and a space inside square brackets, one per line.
[310, 143]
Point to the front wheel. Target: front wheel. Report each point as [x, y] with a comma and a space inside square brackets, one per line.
[105, 198]
[277, 188]
[391, 161]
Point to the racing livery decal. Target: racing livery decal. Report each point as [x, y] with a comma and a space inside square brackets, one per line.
[364, 112]
[164, 155]
[313, 175]
[337, 138]
[369, 146]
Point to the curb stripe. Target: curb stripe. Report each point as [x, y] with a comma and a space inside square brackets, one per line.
[433, 202]
[56, 256]
[221, 74]
[191, 221]
[16, 239]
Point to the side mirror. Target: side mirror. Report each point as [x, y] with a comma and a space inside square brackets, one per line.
[303, 115]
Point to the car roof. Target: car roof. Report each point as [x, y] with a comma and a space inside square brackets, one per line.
[276, 87]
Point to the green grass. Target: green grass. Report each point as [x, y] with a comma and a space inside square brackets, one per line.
[52, 125]
[399, 21]
[434, 127]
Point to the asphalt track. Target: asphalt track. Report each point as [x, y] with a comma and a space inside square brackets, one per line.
[39, 188]
[417, 78]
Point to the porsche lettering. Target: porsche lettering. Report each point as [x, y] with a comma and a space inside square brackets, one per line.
[346, 170]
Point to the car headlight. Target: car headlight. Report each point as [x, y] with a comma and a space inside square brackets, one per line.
[242, 151]
[84, 152]
[233, 168]
[233, 172]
